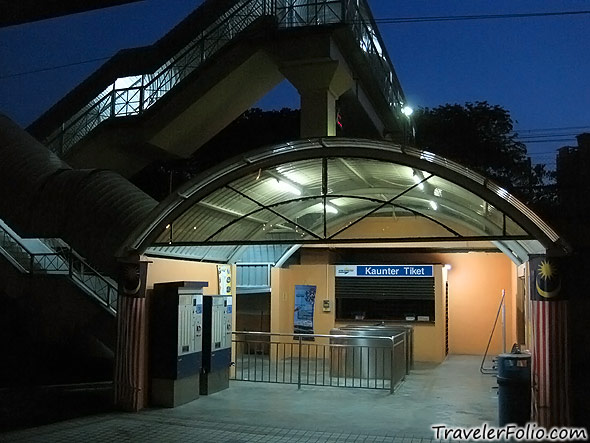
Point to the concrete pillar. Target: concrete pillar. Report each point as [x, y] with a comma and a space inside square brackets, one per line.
[318, 113]
[320, 82]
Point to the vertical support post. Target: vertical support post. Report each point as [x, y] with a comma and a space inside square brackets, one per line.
[31, 263]
[406, 349]
[70, 262]
[392, 372]
[113, 94]
[319, 84]
[61, 137]
[141, 95]
[299, 365]
[503, 321]
[325, 193]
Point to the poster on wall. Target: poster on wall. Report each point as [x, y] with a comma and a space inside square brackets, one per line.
[545, 279]
[224, 273]
[304, 307]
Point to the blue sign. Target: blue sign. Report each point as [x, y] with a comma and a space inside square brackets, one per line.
[385, 271]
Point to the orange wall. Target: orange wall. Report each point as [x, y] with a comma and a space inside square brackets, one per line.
[475, 284]
[399, 227]
[162, 270]
[476, 281]
[428, 339]
[283, 296]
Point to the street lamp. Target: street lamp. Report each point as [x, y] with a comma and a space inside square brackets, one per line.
[407, 111]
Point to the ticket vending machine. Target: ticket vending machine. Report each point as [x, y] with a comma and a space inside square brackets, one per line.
[176, 328]
[217, 336]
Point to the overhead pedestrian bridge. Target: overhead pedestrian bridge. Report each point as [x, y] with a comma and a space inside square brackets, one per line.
[173, 96]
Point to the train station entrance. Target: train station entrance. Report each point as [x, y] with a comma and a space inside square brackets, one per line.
[330, 237]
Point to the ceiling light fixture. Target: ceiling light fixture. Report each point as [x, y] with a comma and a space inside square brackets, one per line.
[286, 187]
[418, 181]
[331, 209]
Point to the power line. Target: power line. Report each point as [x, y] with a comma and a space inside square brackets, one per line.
[530, 154]
[560, 140]
[542, 136]
[447, 18]
[562, 128]
[52, 68]
[383, 20]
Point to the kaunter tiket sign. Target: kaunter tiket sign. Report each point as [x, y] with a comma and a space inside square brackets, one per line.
[384, 271]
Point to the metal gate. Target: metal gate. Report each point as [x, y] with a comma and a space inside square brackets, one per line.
[320, 360]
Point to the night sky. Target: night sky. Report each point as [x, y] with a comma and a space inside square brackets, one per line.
[537, 68]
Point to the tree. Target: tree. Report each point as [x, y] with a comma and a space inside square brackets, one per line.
[481, 137]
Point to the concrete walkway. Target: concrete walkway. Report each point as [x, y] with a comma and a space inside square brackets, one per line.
[453, 393]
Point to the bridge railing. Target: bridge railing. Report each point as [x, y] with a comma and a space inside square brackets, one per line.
[132, 95]
[360, 18]
[61, 261]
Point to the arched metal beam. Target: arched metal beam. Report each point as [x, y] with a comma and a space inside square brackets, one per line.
[334, 147]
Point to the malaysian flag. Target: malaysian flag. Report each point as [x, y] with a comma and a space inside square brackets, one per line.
[550, 357]
[130, 354]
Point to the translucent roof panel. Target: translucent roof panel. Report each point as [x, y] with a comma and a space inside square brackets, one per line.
[321, 199]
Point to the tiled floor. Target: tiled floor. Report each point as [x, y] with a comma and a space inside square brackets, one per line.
[454, 393]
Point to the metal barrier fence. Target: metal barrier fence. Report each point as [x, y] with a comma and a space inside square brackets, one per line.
[346, 361]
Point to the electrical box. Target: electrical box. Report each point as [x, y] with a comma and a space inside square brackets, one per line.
[176, 332]
[217, 341]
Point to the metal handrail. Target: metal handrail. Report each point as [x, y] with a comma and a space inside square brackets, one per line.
[148, 88]
[303, 360]
[7, 239]
[68, 263]
[286, 334]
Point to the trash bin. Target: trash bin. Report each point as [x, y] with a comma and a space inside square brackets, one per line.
[514, 389]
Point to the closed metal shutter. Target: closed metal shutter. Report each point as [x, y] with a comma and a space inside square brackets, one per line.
[385, 287]
[384, 298]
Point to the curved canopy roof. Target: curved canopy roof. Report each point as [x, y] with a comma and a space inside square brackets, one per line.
[341, 191]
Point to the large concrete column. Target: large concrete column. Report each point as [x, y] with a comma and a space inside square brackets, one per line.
[320, 82]
[318, 113]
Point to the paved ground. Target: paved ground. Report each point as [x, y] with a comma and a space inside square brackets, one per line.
[454, 393]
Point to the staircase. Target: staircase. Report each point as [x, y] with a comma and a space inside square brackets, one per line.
[152, 73]
[54, 257]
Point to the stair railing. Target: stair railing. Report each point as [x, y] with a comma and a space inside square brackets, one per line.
[62, 260]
